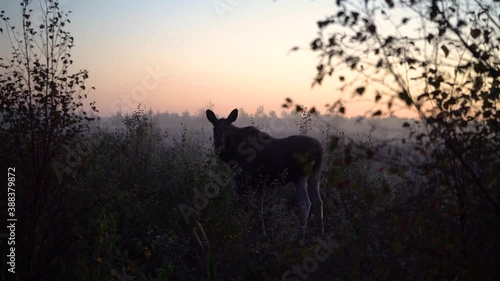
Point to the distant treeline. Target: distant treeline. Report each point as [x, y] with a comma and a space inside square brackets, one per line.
[280, 125]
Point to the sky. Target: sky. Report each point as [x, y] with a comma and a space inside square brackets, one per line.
[178, 55]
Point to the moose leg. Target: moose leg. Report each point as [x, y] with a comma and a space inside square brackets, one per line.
[315, 196]
[260, 193]
[304, 203]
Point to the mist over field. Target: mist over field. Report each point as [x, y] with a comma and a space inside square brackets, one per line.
[280, 193]
[167, 162]
[283, 124]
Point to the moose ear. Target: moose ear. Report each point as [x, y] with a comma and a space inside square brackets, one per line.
[232, 116]
[211, 116]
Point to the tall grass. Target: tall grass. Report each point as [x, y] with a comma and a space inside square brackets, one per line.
[124, 216]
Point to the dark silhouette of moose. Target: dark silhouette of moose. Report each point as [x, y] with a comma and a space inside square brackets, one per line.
[294, 159]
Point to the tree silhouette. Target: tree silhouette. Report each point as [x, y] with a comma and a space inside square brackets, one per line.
[42, 110]
[439, 59]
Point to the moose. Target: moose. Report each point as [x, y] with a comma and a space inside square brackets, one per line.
[294, 159]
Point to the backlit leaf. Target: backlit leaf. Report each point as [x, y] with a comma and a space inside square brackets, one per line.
[475, 32]
[445, 50]
[372, 28]
[294, 49]
[316, 44]
[405, 97]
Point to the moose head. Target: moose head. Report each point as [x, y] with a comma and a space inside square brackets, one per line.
[221, 128]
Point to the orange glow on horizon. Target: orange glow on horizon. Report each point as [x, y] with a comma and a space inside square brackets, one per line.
[182, 57]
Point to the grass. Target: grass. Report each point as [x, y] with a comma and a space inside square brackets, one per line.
[125, 218]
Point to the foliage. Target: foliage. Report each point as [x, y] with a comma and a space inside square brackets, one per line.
[439, 59]
[41, 111]
[133, 227]
[425, 209]
[123, 220]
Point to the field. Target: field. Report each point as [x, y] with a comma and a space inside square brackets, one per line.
[145, 198]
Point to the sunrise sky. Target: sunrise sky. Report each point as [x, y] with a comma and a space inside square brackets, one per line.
[178, 55]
